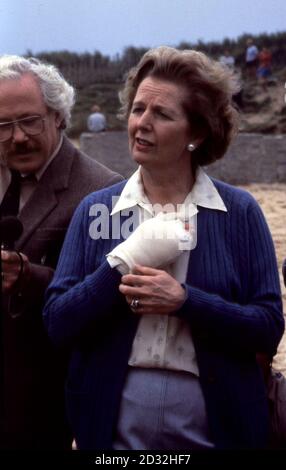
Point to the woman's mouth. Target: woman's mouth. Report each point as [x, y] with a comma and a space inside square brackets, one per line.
[143, 142]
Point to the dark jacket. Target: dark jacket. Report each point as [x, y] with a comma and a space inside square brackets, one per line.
[32, 391]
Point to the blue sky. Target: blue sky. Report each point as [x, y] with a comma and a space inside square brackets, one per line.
[110, 25]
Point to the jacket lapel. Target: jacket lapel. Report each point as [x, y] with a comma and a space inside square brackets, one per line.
[44, 199]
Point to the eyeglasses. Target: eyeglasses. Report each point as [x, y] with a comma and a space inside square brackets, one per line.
[31, 125]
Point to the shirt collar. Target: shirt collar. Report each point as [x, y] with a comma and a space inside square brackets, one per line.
[132, 195]
[203, 193]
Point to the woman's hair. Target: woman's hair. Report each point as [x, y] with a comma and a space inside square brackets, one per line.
[57, 93]
[209, 90]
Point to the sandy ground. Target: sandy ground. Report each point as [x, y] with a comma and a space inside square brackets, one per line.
[272, 199]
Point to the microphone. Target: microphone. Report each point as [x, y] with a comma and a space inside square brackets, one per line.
[11, 229]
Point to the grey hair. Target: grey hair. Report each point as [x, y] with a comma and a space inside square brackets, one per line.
[208, 103]
[57, 93]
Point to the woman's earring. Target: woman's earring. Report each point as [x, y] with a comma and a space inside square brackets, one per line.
[191, 147]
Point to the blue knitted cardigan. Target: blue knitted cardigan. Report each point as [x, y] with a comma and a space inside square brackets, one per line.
[233, 308]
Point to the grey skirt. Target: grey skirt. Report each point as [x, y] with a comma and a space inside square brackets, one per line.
[162, 410]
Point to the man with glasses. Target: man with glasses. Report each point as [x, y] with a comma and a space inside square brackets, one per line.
[43, 177]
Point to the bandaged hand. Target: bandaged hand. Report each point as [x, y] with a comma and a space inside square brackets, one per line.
[156, 243]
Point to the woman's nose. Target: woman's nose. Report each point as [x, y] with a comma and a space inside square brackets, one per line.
[145, 121]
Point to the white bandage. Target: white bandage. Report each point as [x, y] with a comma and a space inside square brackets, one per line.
[155, 243]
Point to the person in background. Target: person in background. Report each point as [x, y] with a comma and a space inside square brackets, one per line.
[174, 287]
[251, 59]
[96, 122]
[43, 177]
[227, 59]
[264, 67]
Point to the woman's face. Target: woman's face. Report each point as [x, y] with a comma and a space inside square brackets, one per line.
[158, 128]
